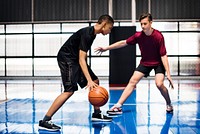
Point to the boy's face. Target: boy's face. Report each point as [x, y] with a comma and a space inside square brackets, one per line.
[145, 24]
[107, 28]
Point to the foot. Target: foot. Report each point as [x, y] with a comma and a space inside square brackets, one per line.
[169, 109]
[101, 117]
[48, 125]
[115, 111]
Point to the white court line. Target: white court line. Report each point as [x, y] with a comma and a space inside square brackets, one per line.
[129, 104]
[60, 119]
[195, 119]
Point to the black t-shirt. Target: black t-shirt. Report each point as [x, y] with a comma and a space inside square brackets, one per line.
[80, 40]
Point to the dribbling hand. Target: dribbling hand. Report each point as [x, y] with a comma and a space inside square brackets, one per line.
[91, 85]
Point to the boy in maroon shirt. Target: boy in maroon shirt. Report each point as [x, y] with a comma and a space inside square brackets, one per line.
[153, 52]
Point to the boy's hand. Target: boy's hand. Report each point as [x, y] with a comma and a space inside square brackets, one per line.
[91, 85]
[170, 82]
[99, 50]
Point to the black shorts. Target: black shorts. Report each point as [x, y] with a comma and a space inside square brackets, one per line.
[72, 74]
[147, 69]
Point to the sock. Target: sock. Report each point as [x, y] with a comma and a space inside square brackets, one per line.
[97, 111]
[46, 118]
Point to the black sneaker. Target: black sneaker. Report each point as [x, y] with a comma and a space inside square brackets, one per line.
[48, 125]
[101, 117]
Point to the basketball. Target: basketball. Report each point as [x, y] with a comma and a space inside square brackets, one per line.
[98, 96]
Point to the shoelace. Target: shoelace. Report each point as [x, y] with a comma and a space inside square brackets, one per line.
[50, 122]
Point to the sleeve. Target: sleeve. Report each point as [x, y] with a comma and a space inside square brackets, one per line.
[162, 46]
[85, 43]
[132, 40]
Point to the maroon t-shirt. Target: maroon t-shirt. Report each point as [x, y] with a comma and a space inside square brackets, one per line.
[152, 47]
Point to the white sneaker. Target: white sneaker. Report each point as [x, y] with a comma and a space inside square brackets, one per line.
[115, 110]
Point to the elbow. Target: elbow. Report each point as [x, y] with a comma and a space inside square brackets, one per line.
[80, 62]
[123, 43]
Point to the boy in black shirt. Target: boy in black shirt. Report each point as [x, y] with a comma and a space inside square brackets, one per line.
[74, 69]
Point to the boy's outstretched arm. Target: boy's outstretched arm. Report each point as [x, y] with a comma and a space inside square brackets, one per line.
[115, 45]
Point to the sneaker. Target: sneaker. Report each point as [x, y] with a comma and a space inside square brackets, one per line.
[48, 125]
[115, 111]
[100, 117]
[169, 109]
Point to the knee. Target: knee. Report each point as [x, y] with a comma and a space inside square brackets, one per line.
[159, 85]
[68, 94]
[133, 83]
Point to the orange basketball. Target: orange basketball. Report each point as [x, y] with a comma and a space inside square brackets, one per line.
[98, 96]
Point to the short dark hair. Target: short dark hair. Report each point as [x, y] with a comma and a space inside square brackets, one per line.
[146, 15]
[105, 17]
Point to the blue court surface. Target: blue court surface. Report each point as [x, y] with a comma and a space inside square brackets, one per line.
[24, 102]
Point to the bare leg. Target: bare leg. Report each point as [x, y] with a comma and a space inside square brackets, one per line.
[58, 102]
[159, 79]
[136, 77]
